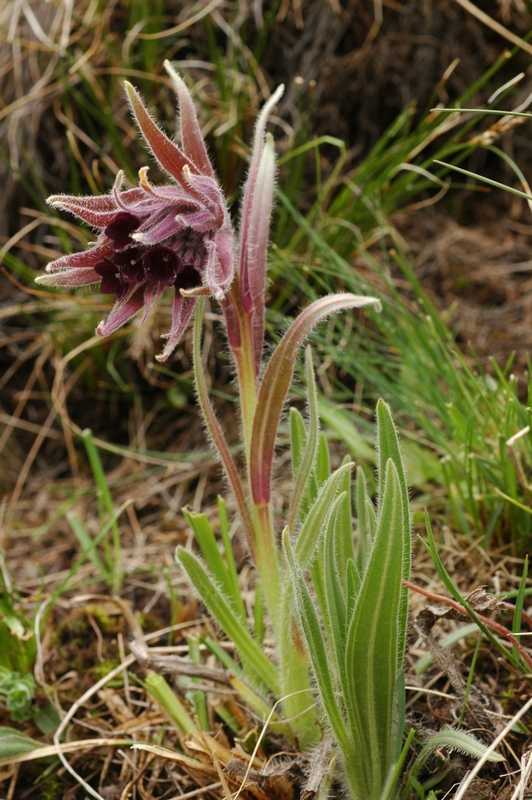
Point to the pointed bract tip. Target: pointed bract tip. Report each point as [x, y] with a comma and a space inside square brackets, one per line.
[130, 89]
[278, 92]
[269, 142]
[169, 67]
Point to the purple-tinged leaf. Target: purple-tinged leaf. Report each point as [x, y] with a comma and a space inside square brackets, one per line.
[276, 382]
[190, 132]
[167, 153]
[253, 261]
[256, 155]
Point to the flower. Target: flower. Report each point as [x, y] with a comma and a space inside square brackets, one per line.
[153, 238]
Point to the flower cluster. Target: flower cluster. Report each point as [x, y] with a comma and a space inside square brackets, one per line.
[153, 238]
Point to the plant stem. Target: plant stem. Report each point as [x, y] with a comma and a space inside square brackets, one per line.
[267, 562]
[247, 380]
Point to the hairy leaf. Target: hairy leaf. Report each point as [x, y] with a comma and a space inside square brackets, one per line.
[220, 607]
[276, 382]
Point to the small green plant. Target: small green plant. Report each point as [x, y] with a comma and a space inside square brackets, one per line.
[332, 590]
[17, 653]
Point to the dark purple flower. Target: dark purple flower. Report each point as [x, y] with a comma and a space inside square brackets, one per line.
[153, 238]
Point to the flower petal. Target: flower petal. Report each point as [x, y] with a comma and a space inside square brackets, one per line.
[207, 191]
[122, 311]
[86, 258]
[167, 153]
[223, 240]
[199, 221]
[182, 309]
[162, 227]
[79, 276]
[96, 211]
[218, 270]
[191, 136]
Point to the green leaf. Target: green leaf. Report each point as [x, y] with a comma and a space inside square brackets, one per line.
[221, 608]
[13, 743]
[204, 536]
[370, 676]
[307, 455]
[298, 438]
[317, 517]
[335, 610]
[344, 531]
[352, 582]
[452, 739]
[322, 470]
[366, 519]
[231, 570]
[316, 645]
[388, 448]
[162, 693]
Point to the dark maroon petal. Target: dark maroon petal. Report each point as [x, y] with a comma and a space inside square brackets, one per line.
[160, 265]
[188, 278]
[110, 283]
[129, 263]
[120, 229]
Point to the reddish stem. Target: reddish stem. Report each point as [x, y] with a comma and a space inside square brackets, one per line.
[489, 623]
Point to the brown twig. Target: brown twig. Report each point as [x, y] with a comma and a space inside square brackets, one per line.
[489, 623]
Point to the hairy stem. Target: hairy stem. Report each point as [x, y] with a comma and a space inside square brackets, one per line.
[215, 429]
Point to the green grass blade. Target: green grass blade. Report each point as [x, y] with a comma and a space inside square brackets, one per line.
[452, 588]
[88, 547]
[105, 501]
